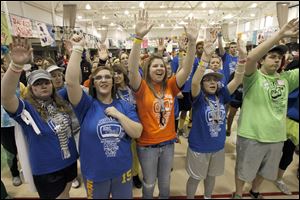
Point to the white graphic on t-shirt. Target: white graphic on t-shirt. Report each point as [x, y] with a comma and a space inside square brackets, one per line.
[232, 65]
[162, 117]
[110, 132]
[276, 92]
[214, 127]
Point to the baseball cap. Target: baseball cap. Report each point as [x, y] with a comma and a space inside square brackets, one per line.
[53, 68]
[212, 73]
[38, 74]
[282, 49]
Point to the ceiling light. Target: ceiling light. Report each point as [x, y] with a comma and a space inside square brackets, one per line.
[132, 7]
[79, 17]
[182, 22]
[104, 17]
[229, 16]
[134, 26]
[141, 4]
[203, 5]
[254, 5]
[162, 25]
[252, 15]
[231, 22]
[88, 7]
[162, 6]
[111, 24]
[169, 11]
[211, 11]
[126, 12]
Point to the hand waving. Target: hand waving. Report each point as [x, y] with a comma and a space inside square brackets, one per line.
[78, 40]
[290, 29]
[20, 50]
[209, 47]
[241, 47]
[141, 24]
[160, 45]
[191, 30]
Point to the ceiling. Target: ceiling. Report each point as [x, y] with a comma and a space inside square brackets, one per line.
[171, 14]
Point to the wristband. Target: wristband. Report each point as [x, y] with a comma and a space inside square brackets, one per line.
[14, 69]
[16, 66]
[202, 63]
[137, 41]
[78, 48]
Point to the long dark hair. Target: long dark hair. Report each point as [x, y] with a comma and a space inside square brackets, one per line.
[92, 89]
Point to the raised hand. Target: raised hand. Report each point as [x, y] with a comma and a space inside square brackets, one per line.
[209, 48]
[182, 42]
[20, 50]
[141, 24]
[102, 51]
[191, 30]
[241, 47]
[160, 45]
[290, 29]
[78, 40]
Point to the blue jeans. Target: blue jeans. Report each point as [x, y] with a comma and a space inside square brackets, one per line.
[156, 162]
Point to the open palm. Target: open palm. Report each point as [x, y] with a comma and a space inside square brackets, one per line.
[191, 30]
[291, 28]
[141, 26]
[20, 51]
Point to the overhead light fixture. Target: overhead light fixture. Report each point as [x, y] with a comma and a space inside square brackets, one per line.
[229, 16]
[111, 24]
[254, 5]
[231, 22]
[162, 6]
[141, 4]
[162, 25]
[126, 12]
[79, 17]
[211, 11]
[252, 15]
[88, 7]
[132, 7]
[104, 17]
[203, 5]
[182, 23]
[134, 26]
[169, 11]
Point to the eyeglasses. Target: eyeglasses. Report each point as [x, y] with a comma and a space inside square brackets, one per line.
[105, 77]
[41, 82]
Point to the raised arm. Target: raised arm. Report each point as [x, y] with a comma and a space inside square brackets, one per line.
[73, 70]
[160, 46]
[20, 54]
[220, 44]
[240, 68]
[141, 29]
[209, 49]
[192, 34]
[289, 29]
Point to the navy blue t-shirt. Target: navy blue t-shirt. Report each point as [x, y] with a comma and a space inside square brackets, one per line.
[205, 136]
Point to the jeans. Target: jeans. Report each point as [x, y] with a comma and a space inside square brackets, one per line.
[156, 162]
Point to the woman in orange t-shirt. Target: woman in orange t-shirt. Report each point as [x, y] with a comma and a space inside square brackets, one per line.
[155, 103]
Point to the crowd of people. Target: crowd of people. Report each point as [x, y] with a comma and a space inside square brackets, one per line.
[117, 115]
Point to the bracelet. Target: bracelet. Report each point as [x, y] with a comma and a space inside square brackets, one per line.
[17, 66]
[137, 41]
[203, 63]
[15, 70]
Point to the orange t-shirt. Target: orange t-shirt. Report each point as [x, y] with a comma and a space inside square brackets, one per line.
[148, 107]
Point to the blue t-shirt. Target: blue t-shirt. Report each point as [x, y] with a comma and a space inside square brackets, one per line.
[45, 153]
[205, 136]
[188, 84]
[293, 105]
[104, 146]
[229, 65]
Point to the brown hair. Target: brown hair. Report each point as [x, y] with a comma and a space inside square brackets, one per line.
[121, 69]
[62, 105]
[92, 89]
[146, 74]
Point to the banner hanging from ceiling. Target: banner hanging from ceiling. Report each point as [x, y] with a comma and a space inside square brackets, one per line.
[6, 38]
[44, 35]
[21, 26]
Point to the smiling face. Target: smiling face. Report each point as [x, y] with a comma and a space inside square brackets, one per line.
[210, 84]
[103, 82]
[157, 70]
[124, 60]
[119, 77]
[42, 89]
[271, 63]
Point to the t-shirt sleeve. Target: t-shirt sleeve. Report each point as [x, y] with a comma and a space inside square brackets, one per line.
[81, 109]
[292, 77]
[248, 81]
[140, 92]
[174, 64]
[173, 85]
[17, 115]
[131, 111]
[224, 92]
